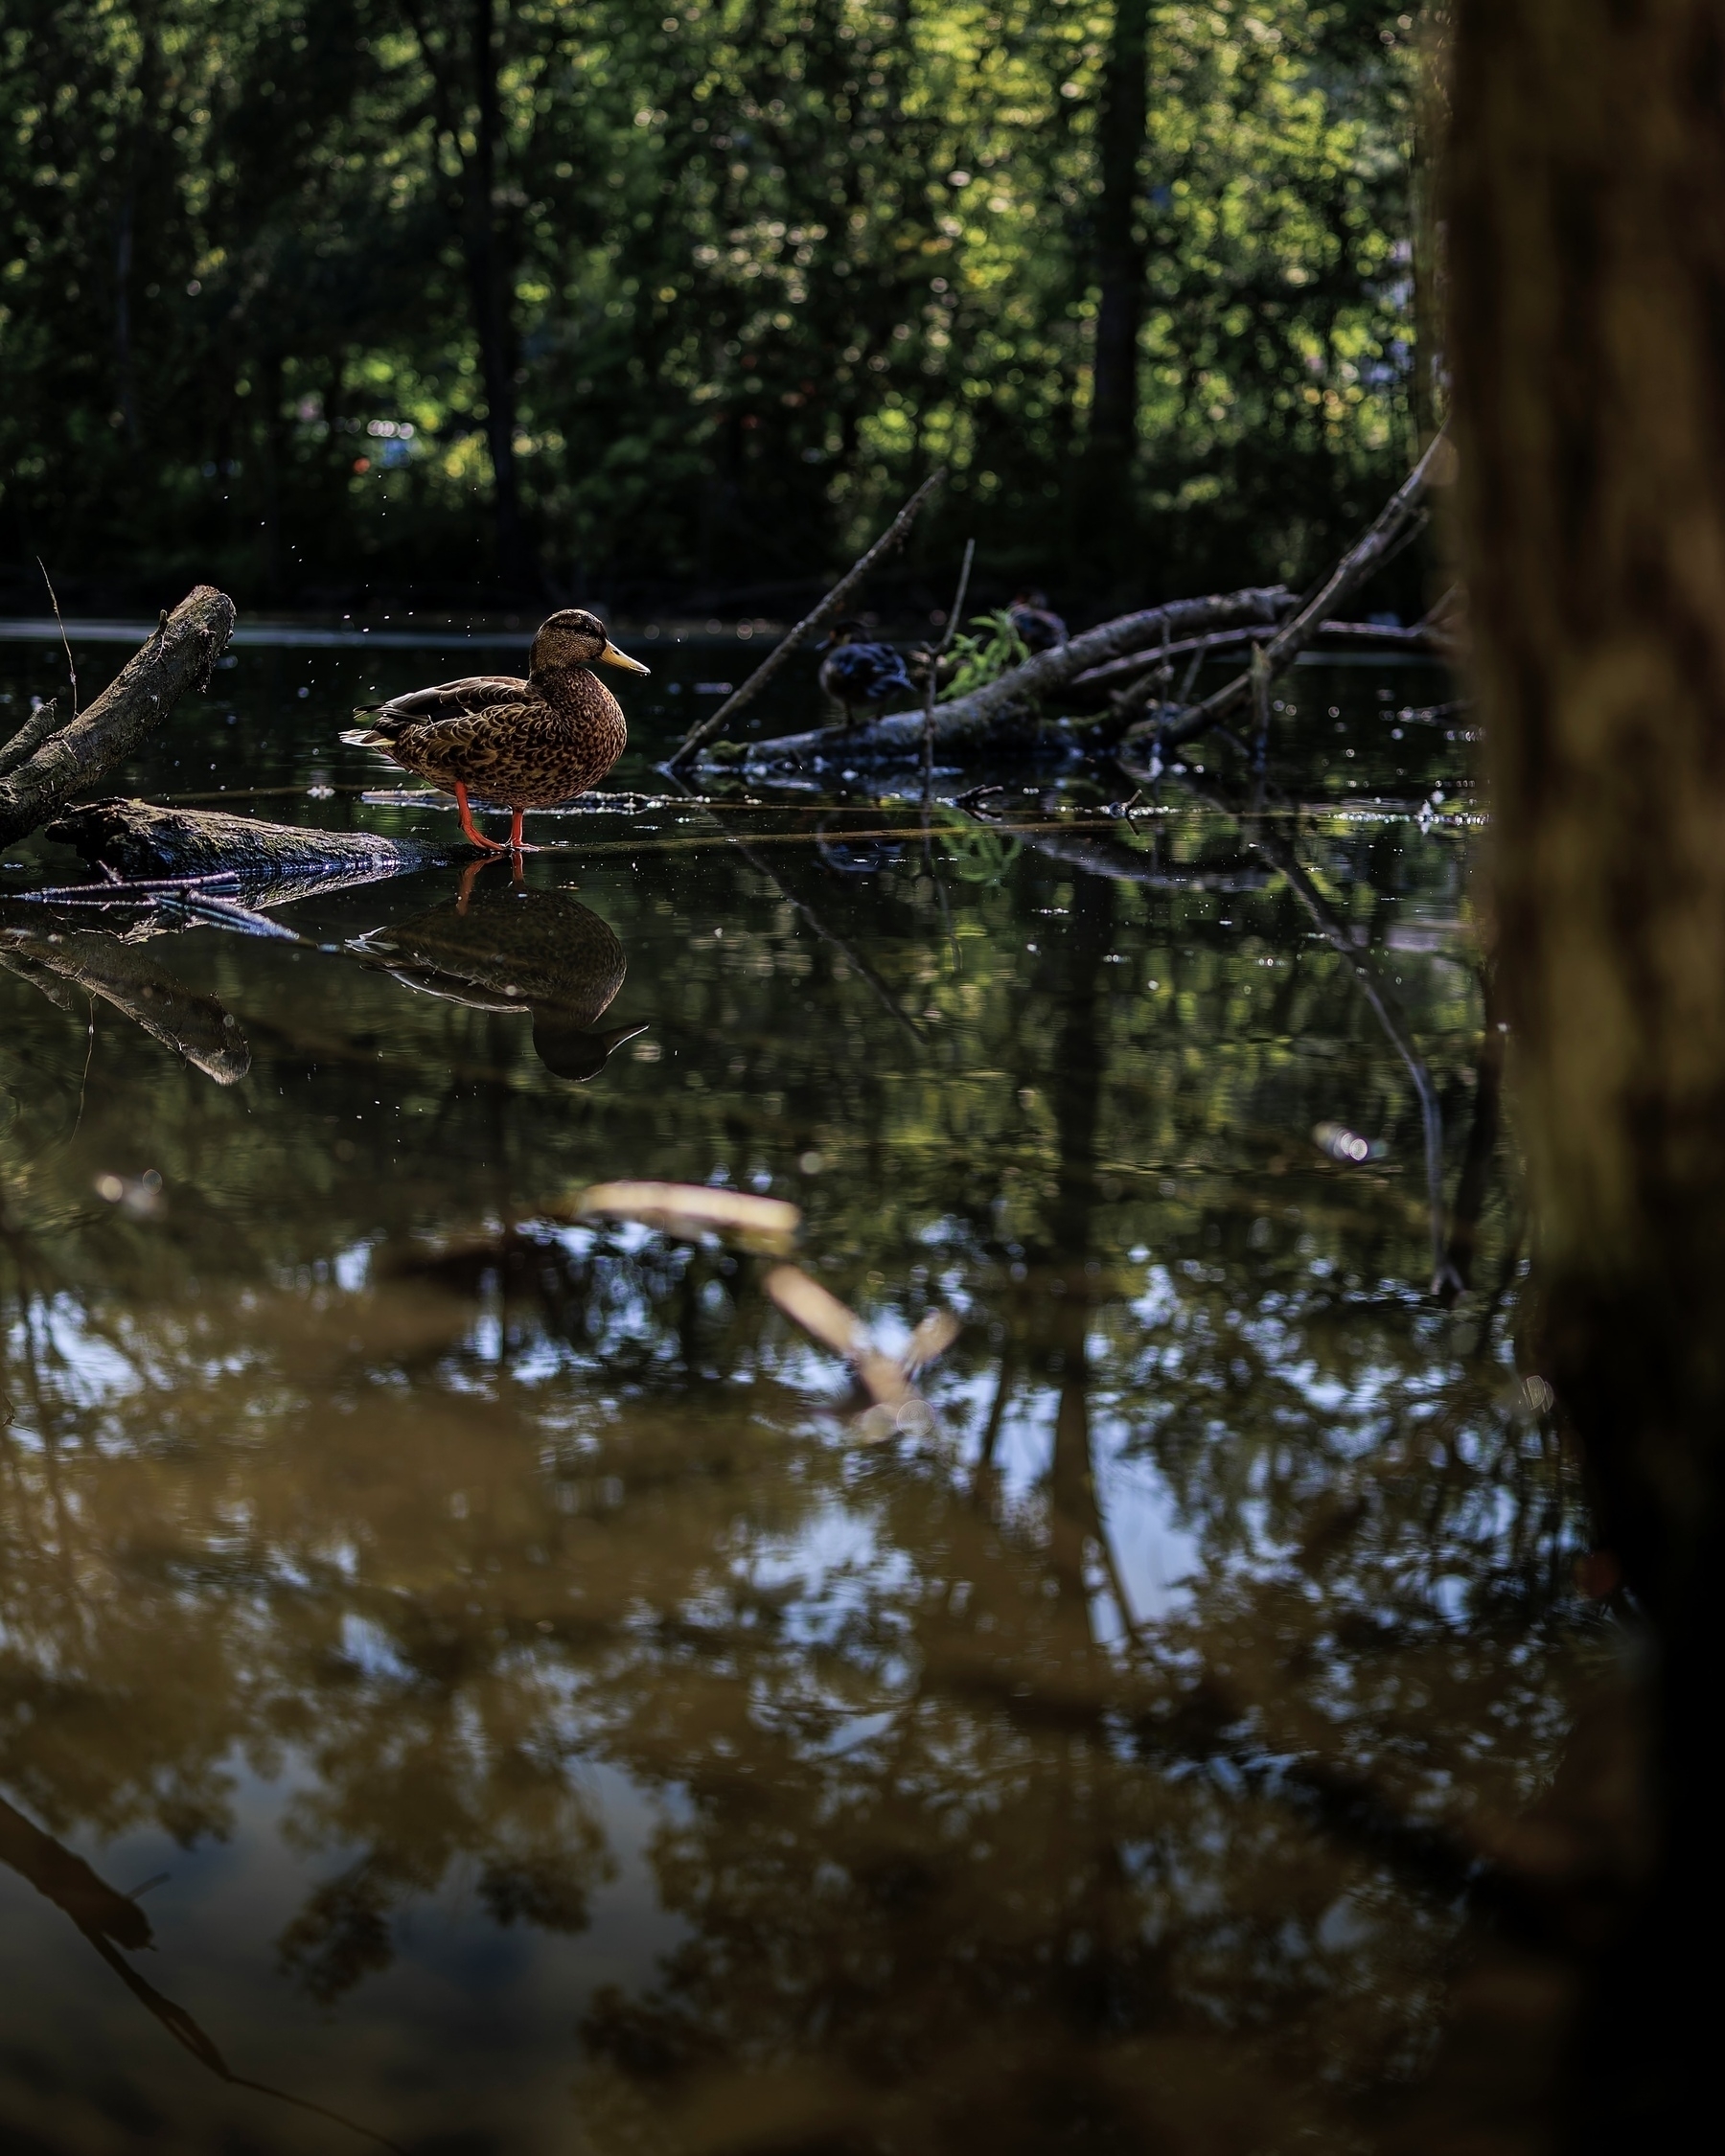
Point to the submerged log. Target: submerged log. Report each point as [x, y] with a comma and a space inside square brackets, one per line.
[91, 743]
[274, 862]
[1004, 703]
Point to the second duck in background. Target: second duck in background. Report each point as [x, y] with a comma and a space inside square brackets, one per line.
[857, 672]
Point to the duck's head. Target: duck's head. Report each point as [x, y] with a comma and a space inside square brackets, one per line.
[574, 637]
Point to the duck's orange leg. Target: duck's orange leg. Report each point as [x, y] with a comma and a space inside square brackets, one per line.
[515, 832]
[487, 845]
[469, 876]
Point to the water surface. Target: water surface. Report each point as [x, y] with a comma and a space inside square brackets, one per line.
[486, 1676]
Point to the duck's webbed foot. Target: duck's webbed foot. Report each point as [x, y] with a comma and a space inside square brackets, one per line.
[475, 835]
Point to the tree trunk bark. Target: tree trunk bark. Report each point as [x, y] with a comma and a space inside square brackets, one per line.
[493, 312]
[1119, 249]
[1587, 268]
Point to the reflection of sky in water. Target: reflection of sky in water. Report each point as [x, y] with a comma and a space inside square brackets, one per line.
[491, 2004]
[388, 1550]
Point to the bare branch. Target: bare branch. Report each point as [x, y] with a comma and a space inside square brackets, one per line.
[828, 607]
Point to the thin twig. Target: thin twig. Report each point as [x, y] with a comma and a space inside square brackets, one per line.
[65, 640]
[115, 892]
[833, 603]
[936, 656]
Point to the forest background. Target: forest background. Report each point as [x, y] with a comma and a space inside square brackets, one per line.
[331, 301]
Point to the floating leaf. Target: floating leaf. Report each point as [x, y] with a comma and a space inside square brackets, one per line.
[693, 1209]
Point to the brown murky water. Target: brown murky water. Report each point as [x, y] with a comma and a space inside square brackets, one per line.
[478, 1676]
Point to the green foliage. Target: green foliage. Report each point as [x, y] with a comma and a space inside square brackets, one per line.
[985, 658]
[740, 269]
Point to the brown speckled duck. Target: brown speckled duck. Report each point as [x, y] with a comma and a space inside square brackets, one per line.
[528, 745]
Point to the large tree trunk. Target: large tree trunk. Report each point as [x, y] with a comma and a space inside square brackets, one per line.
[1113, 432]
[1588, 339]
[1120, 248]
[489, 270]
[493, 308]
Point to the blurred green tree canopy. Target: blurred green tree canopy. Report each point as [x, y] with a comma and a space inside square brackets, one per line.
[317, 296]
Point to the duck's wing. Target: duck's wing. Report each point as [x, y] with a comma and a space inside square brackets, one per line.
[885, 671]
[470, 746]
[860, 665]
[481, 696]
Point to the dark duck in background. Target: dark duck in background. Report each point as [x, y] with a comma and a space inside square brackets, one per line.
[1037, 624]
[856, 671]
[525, 744]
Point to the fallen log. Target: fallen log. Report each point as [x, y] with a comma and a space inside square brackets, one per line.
[273, 862]
[974, 718]
[83, 751]
[1119, 674]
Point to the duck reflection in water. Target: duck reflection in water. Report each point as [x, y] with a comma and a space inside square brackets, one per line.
[506, 948]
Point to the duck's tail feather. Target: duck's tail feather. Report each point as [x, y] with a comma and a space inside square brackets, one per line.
[365, 737]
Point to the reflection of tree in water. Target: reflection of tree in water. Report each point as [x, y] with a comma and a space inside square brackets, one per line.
[956, 1855]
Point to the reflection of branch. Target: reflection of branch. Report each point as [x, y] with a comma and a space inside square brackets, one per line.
[851, 956]
[103, 1914]
[67, 1881]
[1280, 854]
[1257, 833]
[1482, 1144]
[1102, 854]
[996, 1413]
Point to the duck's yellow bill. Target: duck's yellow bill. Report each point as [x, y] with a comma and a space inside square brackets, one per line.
[612, 656]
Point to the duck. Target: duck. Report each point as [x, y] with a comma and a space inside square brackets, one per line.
[525, 744]
[1036, 622]
[857, 672]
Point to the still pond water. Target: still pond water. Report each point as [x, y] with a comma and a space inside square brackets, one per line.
[478, 1676]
